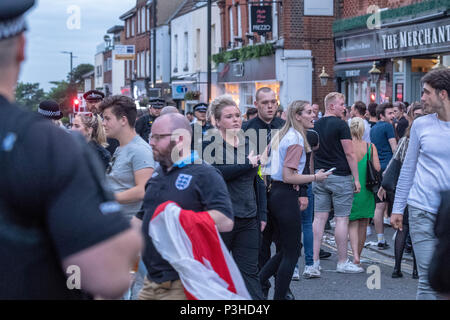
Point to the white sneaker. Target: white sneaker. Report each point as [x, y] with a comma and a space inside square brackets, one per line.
[296, 275]
[349, 267]
[311, 272]
[369, 231]
[387, 221]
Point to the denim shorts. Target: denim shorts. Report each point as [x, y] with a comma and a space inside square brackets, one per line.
[336, 191]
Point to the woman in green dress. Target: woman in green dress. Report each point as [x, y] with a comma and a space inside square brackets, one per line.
[363, 206]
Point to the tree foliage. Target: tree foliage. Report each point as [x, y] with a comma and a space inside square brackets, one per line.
[79, 71]
[29, 95]
[63, 93]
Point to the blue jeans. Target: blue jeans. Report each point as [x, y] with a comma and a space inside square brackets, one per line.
[307, 219]
[421, 228]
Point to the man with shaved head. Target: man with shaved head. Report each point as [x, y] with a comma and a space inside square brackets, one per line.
[169, 109]
[196, 187]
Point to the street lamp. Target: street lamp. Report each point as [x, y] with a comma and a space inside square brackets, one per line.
[71, 63]
[374, 73]
[323, 77]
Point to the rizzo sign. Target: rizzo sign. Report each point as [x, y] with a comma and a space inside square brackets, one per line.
[261, 19]
[418, 39]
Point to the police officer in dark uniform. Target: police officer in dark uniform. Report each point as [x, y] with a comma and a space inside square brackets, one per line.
[144, 124]
[93, 100]
[56, 219]
[200, 127]
[196, 187]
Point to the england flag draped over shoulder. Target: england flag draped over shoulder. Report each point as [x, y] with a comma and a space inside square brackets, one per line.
[190, 242]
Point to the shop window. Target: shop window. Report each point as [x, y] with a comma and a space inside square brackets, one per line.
[233, 90]
[247, 96]
[365, 92]
[422, 65]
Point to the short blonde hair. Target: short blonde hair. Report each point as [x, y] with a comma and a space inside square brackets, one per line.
[357, 128]
[332, 97]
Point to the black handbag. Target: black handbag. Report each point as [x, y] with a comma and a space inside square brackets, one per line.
[391, 175]
[373, 179]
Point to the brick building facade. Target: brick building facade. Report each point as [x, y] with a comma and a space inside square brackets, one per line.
[302, 45]
[137, 22]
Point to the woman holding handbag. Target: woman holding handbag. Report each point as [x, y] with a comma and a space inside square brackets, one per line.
[363, 206]
[388, 185]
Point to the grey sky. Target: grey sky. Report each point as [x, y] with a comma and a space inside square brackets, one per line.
[48, 35]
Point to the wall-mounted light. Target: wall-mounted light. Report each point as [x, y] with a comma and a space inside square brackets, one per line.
[323, 77]
[374, 73]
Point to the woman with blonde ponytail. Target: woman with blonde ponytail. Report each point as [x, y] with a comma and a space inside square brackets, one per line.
[287, 157]
[363, 206]
[90, 126]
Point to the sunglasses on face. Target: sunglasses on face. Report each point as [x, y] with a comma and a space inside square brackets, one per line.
[110, 165]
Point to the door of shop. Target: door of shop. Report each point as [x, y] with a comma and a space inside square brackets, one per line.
[416, 86]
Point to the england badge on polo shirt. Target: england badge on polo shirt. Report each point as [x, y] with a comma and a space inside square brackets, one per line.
[183, 181]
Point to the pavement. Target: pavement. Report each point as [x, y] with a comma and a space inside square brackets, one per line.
[375, 283]
[372, 241]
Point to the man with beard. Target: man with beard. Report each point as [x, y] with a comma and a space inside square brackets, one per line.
[196, 187]
[93, 99]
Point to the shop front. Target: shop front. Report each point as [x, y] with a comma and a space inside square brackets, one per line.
[403, 51]
[241, 80]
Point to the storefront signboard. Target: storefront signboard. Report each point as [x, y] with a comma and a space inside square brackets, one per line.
[417, 39]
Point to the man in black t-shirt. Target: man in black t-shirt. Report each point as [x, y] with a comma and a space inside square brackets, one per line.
[335, 151]
[402, 123]
[196, 187]
[56, 219]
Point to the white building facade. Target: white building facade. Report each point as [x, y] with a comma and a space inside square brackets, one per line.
[189, 50]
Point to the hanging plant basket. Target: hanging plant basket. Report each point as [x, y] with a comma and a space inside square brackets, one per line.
[192, 95]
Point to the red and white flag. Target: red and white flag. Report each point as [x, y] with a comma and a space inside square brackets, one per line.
[190, 242]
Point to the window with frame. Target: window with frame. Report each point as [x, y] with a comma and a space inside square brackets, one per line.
[176, 52]
[143, 64]
[186, 52]
[138, 16]
[247, 92]
[239, 21]
[143, 20]
[230, 17]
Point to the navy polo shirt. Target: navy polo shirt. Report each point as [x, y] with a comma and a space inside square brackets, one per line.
[196, 187]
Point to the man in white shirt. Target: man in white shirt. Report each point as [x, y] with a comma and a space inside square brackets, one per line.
[425, 173]
[358, 111]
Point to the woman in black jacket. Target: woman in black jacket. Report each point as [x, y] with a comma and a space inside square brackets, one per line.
[232, 154]
[90, 126]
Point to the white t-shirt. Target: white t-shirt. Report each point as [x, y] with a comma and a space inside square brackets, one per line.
[291, 138]
[426, 170]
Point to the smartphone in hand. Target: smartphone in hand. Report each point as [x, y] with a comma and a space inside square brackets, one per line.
[331, 170]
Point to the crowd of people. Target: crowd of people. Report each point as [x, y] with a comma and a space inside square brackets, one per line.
[92, 194]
